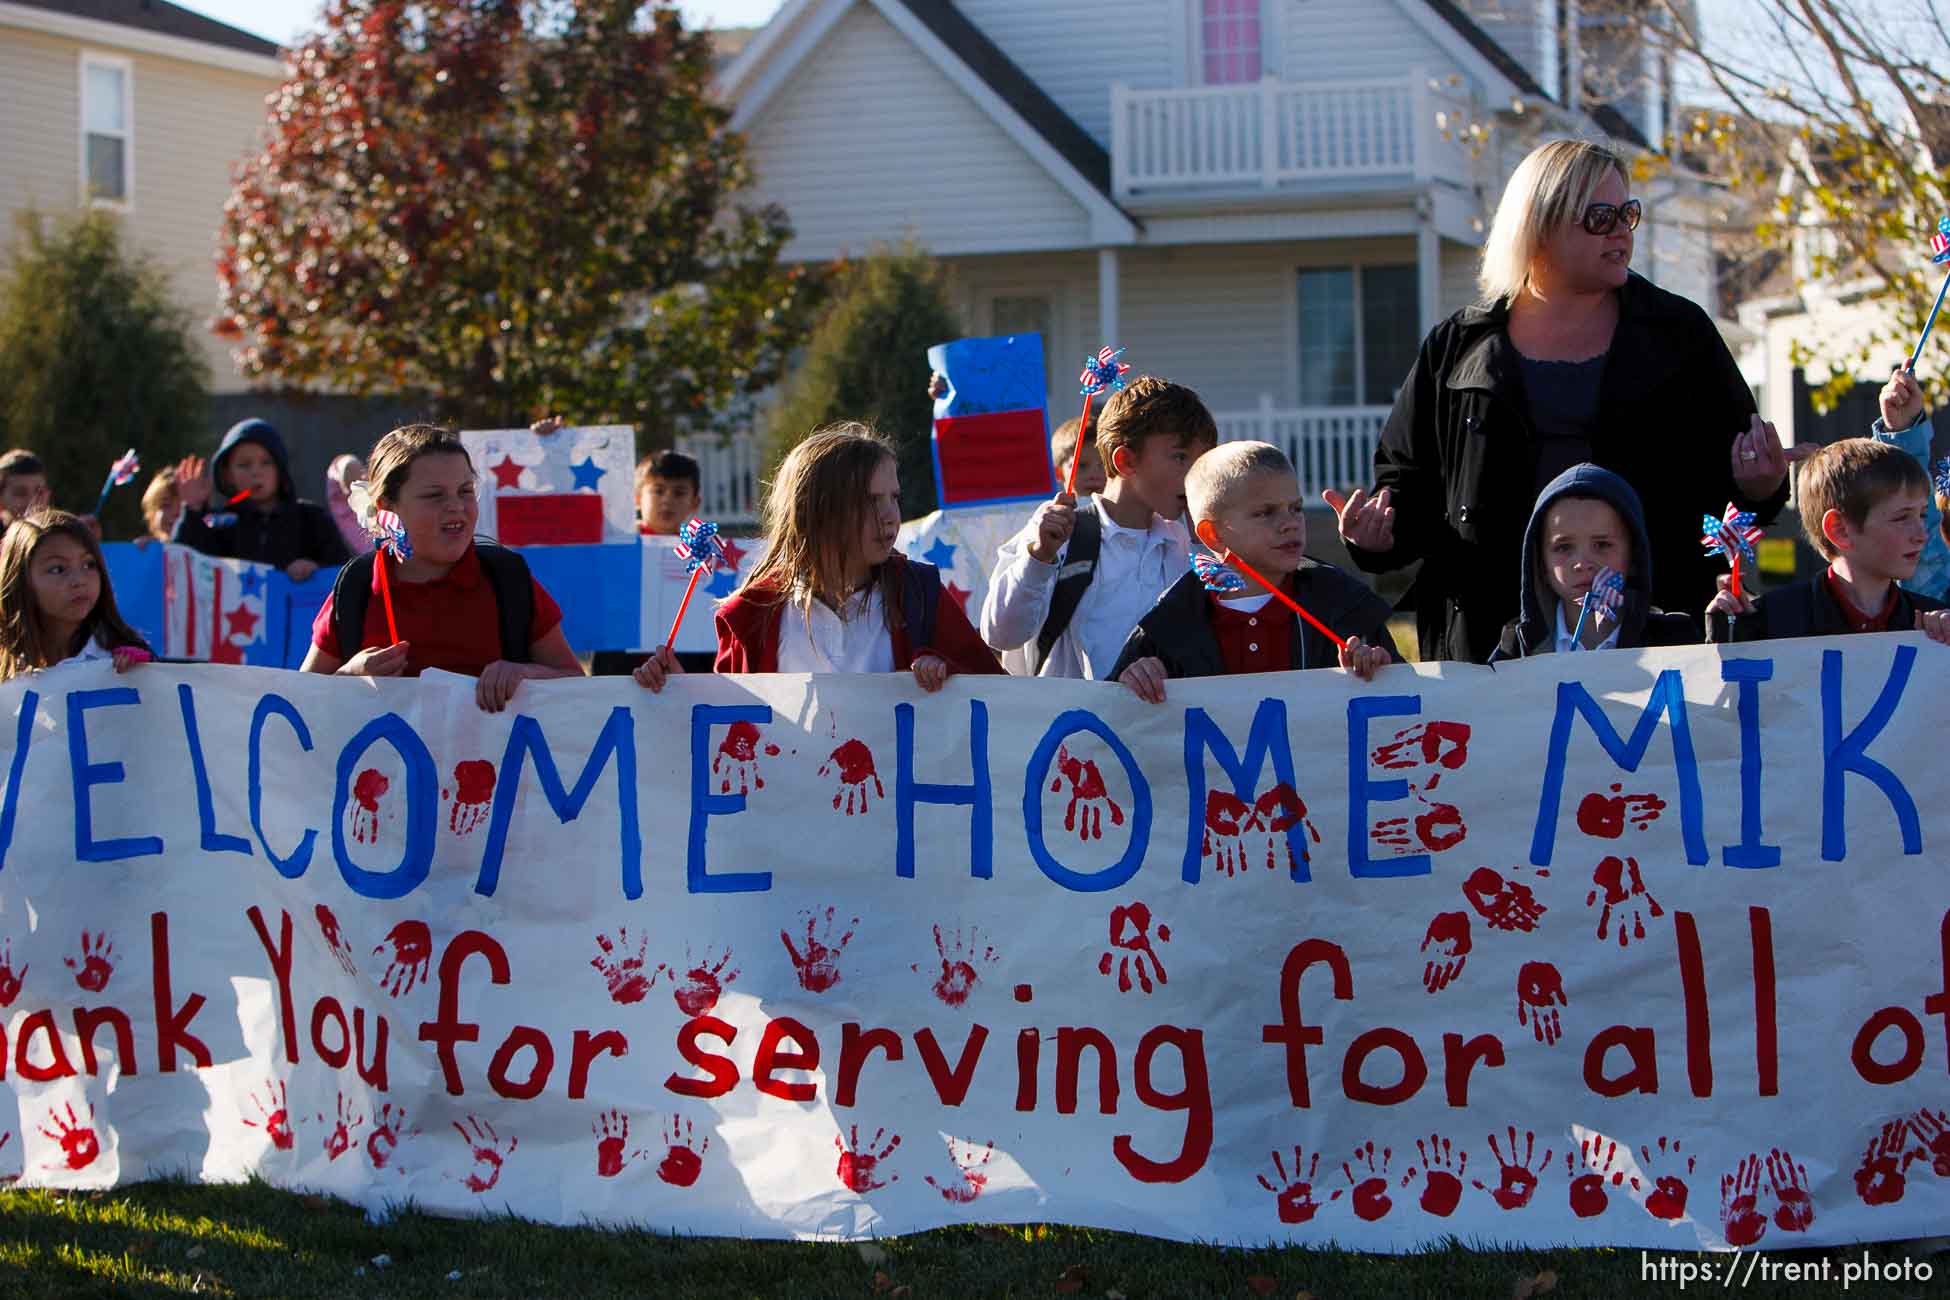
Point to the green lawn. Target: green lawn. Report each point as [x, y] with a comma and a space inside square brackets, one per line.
[168, 1239]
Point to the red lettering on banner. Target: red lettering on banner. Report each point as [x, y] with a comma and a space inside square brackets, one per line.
[447, 1028]
[770, 1058]
[1195, 1099]
[1863, 1053]
[374, 1074]
[1640, 1044]
[280, 955]
[855, 1049]
[1767, 1055]
[172, 1021]
[584, 1050]
[1298, 1037]
[522, 1036]
[1029, 1048]
[1699, 1027]
[1459, 1059]
[57, 1067]
[87, 1021]
[723, 1071]
[1415, 1069]
[1070, 1042]
[1938, 1003]
[951, 1085]
[327, 1009]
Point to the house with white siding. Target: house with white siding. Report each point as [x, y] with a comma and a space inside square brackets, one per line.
[1269, 200]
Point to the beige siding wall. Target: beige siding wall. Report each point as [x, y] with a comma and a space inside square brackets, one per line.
[192, 123]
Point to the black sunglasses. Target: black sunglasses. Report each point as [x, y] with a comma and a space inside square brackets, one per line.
[1603, 218]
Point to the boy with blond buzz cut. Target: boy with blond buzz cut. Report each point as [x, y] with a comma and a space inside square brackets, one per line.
[1862, 506]
[1246, 502]
[1069, 588]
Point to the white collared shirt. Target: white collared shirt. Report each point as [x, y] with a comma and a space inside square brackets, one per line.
[856, 643]
[1564, 642]
[1134, 567]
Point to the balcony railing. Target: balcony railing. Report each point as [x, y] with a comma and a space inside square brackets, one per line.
[1330, 446]
[1271, 134]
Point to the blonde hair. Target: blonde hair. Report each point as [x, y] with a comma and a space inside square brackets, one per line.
[815, 511]
[162, 490]
[1549, 188]
[24, 642]
[1217, 476]
[393, 456]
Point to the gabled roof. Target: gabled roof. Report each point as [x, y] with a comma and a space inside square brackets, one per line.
[162, 19]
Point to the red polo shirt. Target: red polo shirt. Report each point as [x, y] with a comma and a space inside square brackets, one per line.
[1857, 620]
[1253, 640]
[452, 622]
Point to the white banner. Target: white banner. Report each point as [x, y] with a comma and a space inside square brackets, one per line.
[1619, 948]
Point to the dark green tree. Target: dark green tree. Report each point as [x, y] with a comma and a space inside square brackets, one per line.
[95, 357]
[518, 207]
[867, 360]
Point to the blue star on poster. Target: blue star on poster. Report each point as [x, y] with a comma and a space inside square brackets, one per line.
[253, 580]
[941, 555]
[722, 583]
[587, 474]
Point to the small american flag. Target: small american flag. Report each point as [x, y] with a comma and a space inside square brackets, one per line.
[125, 468]
[698, 546]
[391, 533]
[1940, 241]
[1607, 592]
[1733, 534]
[1103, 371]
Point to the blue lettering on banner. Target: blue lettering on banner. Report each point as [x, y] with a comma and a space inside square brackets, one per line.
[30, 704]
[212, 840]
[1668, 697]
[1841, 755]
[1266, 736]
[421, 793]
[1748, 674]
[705, 805]
[89, 775]
[1364, 791]
[1067, 724]
[268, 706]
[976, 796]
[525, 740]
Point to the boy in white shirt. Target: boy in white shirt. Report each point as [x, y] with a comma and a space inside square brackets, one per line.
[1069, 588]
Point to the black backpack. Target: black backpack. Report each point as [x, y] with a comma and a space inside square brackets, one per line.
[1079, 568]
[505, 570]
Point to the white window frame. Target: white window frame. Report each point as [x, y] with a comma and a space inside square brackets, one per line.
[1360, 268]
[95, 59]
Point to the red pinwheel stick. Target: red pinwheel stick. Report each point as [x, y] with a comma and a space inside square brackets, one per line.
[235, 498]
[1735, 584]
[1286, 600]
[386, 596]
[1076, 456]
[678, 622]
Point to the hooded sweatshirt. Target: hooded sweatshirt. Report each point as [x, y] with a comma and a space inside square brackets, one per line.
[290, 530]
[1639, 622]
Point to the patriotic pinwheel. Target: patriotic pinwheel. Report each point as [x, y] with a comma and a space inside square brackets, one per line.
[1216, 574]
[700, 549]
[1939, 254]
[1099, 372]
[1733, 536]
[125, 468]
[1606, 594]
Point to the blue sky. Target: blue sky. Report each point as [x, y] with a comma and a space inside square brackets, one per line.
[279, 20]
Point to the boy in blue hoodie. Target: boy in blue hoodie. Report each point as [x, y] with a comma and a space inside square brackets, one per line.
[1587, 519]
[269, 525]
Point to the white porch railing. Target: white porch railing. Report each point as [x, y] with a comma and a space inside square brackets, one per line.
[1330, 446]
[728, 469]
[1266, 134]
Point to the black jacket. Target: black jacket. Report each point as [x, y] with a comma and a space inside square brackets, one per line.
[1808, 608]
[1178, 629]
[1640, 622]
[290, 530]
[1459, 454]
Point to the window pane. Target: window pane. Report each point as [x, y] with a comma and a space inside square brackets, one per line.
[1327, 338]
[1229, 33]
[1391, 330]
[105, 170]
[103, 100]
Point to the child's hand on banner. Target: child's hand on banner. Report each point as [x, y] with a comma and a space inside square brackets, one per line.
[931, 671]
[1363, 660]
[1725, 602]
[1936, 625]
[653, 672]
[499, 681]
[380, 661]
[1146, 679]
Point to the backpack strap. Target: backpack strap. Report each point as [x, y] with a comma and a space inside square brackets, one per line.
[1072, 580]
[351, 593]
[920, 602]
[514, 597]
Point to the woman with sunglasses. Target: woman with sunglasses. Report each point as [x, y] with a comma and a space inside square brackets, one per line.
[1569, 357]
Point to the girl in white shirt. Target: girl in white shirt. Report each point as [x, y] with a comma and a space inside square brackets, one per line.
[55, 601]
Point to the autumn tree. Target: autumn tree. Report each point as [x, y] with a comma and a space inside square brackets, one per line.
[513, 206]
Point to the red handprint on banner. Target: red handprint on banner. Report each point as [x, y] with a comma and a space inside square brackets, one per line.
[473, 792]
[683, 1153]
[1667, 1199]
[1505, 904]
[736, 763]
[1518, 1181]
[818, 967]
[704, 982]
[328, 929]
[96, 964]
[624, 974]
[410, 959]
[1226, 815]
[970, 1163]
[859, 1164]
[612, 1130]
[1794, 1209]
[388, 1130]
[75, 1136]
[1428, 744]
[485, 1145]
[1599, 1154]
[1442, 1180]
[1131, 950]
[1089, 797]
[1370, 1185]
[1740, 1221]
[958, 970]
[1293, 1197]
[1932, 1129]
[368, 788]
[1618, 883]
[339, 1140]
[1880, 1178]
[10, 979]
[1540, 991]
[855, 763]
[273, 1116]
[1275, 813]
[1449, 931]
[1605, 816]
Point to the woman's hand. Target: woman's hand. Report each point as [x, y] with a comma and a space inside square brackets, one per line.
[930, 671]
[653, 672]
[1724, 603]
[497, 685]
[1901, 400]
[1759, 460]
[1363, 660]
[1367, 522]
[193, 482]
[380, 661]
[1146, 679]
